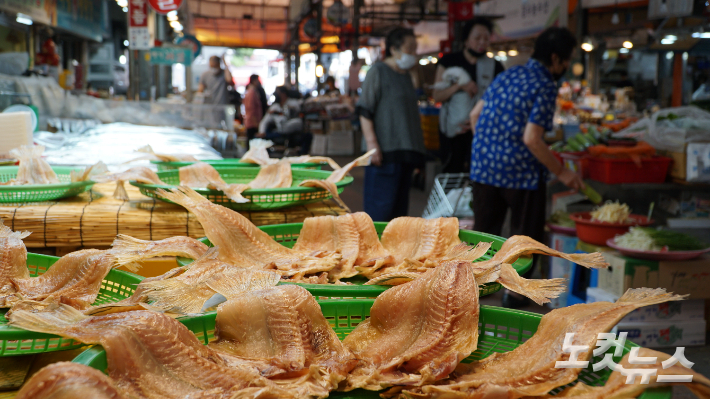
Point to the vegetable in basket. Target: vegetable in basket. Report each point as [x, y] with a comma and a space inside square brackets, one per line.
[650, 239]
[611, 212]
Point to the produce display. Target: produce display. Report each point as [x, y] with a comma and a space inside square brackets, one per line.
[611, 212]
[561, 218]
[650, 239]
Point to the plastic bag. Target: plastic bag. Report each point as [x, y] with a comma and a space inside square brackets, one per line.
[671, 128]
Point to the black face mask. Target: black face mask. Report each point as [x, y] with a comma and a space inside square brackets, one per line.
[474, 53]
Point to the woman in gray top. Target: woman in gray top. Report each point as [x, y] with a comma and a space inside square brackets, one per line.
[390, 121]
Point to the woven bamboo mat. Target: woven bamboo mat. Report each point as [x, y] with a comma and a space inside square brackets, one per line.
[94, 218]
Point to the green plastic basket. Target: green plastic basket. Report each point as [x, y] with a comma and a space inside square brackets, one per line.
[14, 341]
[41, 192]
[500, 330]
[231, 162]
[287, 234]
[260, 199]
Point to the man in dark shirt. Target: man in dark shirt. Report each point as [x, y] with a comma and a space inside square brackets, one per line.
[457, 135]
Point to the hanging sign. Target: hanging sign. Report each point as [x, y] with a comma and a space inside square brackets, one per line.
[190, 42]
[523, 18]
[138, 31]
[165, 6]
[170, 55]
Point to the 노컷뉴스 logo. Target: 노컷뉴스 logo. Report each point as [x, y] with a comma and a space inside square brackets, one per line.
[605, 342]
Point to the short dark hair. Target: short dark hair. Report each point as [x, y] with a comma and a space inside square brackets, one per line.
[554, 40]
[330, 79]
[281, 89]
[468, 26]
[254, 78]
[214, 58]
[395, 39]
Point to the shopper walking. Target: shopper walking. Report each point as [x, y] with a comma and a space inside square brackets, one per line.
[509, 160]
[389, 116]
[213, 82]
[254, 80]
[253, 111]
[459, 98]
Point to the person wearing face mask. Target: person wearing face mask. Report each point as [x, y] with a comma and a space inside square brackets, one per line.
[214, 81]
[510, 160]
[453, 120]
[390, 123]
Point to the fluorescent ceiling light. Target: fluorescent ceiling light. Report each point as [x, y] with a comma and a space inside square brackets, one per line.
[23, 19]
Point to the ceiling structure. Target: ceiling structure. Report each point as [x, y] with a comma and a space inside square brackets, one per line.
[270, 23]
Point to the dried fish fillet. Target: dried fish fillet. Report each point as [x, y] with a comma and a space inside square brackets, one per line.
[150, 154]
[33, 168]
[188, 291]
[141, 174]
[529, 370]
[258, 152]
[332, 233]
[282, 332]
[313, 159]
[150, 354]
[203, 175]
[277, 175]
[242, 244]
[66, 380]
[96, 169]
[617, 388]
[13, 261]
[128, 250]
[371, 249]
[517, 246]
[417, 332]
[74, 279]
[338, 175]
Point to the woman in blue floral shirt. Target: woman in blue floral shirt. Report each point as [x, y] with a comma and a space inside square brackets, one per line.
[509, 159]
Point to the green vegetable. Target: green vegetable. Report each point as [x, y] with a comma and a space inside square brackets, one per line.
[674, 240]
[591, 138]
[561, 218]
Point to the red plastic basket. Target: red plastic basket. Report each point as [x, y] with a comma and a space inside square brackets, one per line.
[594, 232]
[617, 171]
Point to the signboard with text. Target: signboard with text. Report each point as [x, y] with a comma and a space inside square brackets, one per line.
[170, 55]
[138, 31]
[165, 6]
[43, 11]
[523, 18]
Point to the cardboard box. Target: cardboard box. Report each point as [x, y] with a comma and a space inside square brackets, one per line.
[665, 334]
[686, 277]
[319, 146]
[624, 273]
[562, 268]
[663, 312]
[691, 165]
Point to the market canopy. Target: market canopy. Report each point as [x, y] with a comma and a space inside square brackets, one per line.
[265, 23]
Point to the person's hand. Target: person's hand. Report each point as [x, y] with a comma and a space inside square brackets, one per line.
[571, 179]
[376, 158]
[471, 88]
[260, 135]
[465, 127]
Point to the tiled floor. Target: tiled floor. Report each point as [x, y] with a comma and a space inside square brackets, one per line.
[418, 200]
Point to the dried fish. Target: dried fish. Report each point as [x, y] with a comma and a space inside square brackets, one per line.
[33, 168]
[151, 355]
[282, 333]
[529, 370]
[128, 250]
[242, 244]
[66, 380]
[13, 261]
[141, 174]
[417, 332]
[332, 233]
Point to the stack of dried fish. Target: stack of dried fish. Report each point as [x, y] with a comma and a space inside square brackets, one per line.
[76, 278]
[275, 342]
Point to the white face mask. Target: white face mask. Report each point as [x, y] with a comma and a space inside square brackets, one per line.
[407, 61]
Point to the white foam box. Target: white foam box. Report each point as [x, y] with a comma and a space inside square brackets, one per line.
[665, 333]
[342, 143]
[664, 312]
[561, 268]
[319, 146]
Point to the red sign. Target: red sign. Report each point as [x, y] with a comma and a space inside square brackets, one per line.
[138, 13]
[165, 6]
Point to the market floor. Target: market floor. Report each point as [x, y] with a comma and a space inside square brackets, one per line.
[417, 203]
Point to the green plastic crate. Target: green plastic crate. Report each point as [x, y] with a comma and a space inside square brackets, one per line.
[287, 234]
[260, 199]
[41, 192]
[14, 341]
[501, 330]
[231, 162]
